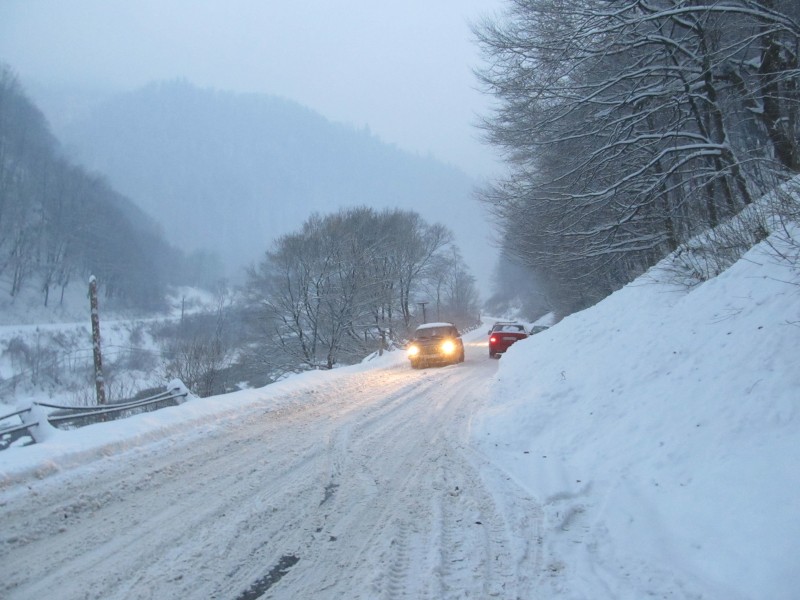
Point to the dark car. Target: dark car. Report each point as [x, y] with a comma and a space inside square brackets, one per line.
[435, 344]
[502, 335]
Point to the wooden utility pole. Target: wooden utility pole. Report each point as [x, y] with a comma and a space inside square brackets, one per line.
[424, 316]
[99, 383]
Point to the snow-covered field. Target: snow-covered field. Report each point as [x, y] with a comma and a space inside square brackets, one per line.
[46, 354]
[646, 447]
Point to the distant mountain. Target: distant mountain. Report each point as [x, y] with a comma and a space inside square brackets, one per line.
[231, 172]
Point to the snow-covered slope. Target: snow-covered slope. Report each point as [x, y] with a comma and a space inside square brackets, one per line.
[660, 431]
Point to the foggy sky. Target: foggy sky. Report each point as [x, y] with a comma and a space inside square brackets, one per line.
[404, 69]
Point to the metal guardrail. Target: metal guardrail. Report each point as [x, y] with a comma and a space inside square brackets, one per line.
[14, 429]
[11, 433]
[70, 417]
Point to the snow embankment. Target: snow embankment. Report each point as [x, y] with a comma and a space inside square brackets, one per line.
[660, 431]
[69, 449]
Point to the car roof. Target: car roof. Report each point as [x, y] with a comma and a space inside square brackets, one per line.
[434, 325]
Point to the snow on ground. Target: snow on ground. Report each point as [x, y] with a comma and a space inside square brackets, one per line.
[660, 431]
[67, 449]
[357, 483]
[54, 361]
[646, 447]
[27, 307]
[46, 353]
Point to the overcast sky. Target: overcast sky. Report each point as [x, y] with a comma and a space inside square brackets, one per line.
[402, 68]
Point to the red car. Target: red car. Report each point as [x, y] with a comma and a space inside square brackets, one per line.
[503, 335]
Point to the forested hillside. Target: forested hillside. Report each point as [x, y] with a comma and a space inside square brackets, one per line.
[59, 224]
[231, 172]
[632, 126]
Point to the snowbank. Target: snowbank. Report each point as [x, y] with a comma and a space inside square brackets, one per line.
[69, 449]
[660, 430]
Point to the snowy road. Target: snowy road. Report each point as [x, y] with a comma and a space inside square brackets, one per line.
[369, 489]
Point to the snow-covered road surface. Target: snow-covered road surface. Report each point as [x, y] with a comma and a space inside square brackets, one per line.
[369, 489]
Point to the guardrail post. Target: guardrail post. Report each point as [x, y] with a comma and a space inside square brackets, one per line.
[178, 388]
[38, 425]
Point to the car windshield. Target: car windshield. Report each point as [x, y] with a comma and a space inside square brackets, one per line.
[433, 332]
[509, 328]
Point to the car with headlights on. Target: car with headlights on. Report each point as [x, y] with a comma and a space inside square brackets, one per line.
[435, 344]
[502, 335]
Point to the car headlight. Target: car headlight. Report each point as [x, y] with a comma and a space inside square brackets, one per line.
[448, 346]
[413, 350]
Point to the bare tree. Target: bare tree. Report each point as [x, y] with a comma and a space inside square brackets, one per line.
[199, 350]
[342, 286]
[632, 125]
[452, 289]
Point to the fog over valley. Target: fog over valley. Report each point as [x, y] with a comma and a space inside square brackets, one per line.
[230, 125]
[228, 173]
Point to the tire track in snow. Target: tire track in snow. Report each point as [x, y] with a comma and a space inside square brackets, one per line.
[357, 483]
